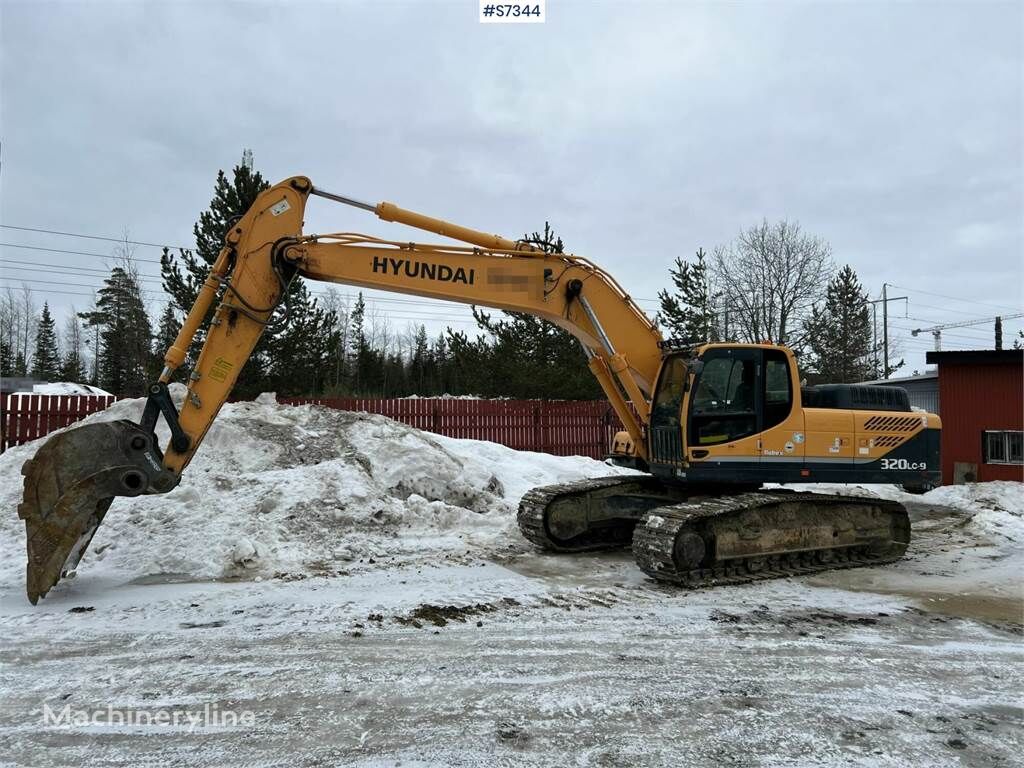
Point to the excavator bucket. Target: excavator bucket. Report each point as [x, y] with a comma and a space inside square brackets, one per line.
[69, 485]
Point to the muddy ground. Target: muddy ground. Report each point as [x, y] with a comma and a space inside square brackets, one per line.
[520, 658]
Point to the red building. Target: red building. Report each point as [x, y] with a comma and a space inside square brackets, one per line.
[981, 402]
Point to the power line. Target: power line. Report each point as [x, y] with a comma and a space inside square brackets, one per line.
[79, 285]
[395, 314]
[953, 298]
[399, 312]
[75, 285]
[989, 337]
[154, 278]
[72, 267]
[140, 242]
[970, 331]
[91, 237]
[373, 300]
[74, 253]
[63, 293]
[157, 261]
[123, 240]
[69, 271]
[973, 314]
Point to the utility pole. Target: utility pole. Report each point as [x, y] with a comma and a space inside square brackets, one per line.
[884, 301]
[885, 334]
[874, 334]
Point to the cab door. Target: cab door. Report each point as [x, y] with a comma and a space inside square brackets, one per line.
[782, 438]
[666, 431]
[723, 410]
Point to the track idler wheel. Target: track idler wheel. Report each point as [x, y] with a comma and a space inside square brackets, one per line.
[689, 551]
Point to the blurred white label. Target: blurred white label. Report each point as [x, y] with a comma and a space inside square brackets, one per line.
[278, 208]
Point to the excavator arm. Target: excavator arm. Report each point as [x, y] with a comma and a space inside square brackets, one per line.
[73, 478]
[266, 250]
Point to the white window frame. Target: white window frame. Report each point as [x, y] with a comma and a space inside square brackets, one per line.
[1004, 435]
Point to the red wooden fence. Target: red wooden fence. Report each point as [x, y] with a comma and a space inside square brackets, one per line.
[563, 428]
[27, 417]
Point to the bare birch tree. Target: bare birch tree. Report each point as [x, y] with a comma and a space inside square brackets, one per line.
[770, 277]
[29, 320]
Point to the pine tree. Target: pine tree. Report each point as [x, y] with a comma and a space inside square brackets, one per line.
[688, 312]
[469, 367]
[336, 377]
[438, 364]
[167, 330]
[166, 334]
[184, 274]
[72, 368]
[300, 354]
[394, 376]
[125, 334]
[366, 364]
[419, 361]
[839, 332]
[6, 357]
[356, 342]
[46, 358]
[529, 357]
[289, 356]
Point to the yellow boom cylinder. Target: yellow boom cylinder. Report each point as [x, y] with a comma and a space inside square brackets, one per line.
[391, 212]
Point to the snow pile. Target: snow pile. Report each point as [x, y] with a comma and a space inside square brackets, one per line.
[998, 506]
[446, 396]
[64, 388]
[303, 490]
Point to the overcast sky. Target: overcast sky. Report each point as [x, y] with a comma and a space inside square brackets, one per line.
[641, 130]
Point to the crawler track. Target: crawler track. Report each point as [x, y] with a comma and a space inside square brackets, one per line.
[535, 506]
[680, 544]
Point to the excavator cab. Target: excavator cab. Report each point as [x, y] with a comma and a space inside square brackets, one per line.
[715, 403]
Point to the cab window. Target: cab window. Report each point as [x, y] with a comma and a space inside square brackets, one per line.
[724, 405]
[725, 385]
[778, 388]
[669, 396]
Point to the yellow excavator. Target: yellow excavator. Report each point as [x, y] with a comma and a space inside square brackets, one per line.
[708, 424]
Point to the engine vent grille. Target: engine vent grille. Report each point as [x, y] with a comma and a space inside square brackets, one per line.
[889, 441]
[892, 424]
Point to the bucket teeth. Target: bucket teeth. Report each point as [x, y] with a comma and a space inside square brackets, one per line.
[69, 485]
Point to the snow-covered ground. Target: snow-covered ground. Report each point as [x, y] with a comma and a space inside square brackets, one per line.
[359, 588]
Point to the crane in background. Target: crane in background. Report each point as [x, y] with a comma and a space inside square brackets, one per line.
[936, 330]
